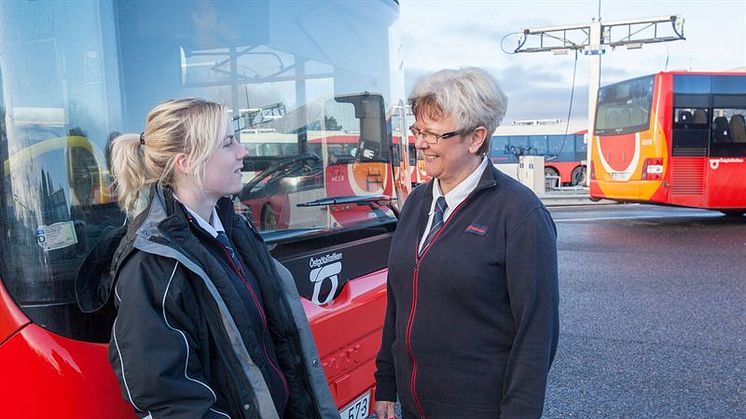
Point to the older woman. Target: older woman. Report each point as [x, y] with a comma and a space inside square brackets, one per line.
[472, 321]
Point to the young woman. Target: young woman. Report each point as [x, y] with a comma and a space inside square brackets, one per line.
[208, 324]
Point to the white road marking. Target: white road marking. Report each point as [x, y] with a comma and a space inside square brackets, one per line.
[639, 217]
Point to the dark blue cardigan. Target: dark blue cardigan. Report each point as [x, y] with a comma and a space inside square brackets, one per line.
[471, 327]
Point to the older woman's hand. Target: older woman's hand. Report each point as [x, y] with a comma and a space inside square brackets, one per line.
[384, 410]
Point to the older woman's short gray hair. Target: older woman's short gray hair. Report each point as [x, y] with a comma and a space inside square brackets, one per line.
[471, 96]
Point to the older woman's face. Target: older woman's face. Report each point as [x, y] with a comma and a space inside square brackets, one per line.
[450, 159]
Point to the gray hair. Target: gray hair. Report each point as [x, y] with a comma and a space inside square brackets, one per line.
[471, 96]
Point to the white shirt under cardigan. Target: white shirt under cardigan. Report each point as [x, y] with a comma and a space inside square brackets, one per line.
[453, 198]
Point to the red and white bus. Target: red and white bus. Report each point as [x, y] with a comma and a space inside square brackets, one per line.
[401, 119]
[417, 173]
[281, 183]
[73, 75]
[564, 154]
[672, 138]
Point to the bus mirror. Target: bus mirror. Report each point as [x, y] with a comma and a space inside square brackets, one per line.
[374, 138]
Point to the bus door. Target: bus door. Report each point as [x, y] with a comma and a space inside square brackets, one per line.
[726, 163]
[690, 137]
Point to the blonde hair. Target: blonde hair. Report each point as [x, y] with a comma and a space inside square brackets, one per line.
[190, 126]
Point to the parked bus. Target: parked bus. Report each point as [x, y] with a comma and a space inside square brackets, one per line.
[564, 154]
[672, 138]
[74, 74]
[401, 119]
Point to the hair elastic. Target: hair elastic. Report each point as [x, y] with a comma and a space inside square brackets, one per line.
[142, 138]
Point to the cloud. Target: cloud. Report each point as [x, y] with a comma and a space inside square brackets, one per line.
[533, 92]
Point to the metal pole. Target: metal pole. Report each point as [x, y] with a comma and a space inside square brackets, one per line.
[594, 81]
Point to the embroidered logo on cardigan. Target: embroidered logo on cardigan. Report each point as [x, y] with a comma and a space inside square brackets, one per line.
[477, 229]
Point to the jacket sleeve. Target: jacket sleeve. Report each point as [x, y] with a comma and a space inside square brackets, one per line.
[385, 375]
[532, 281]
[152, 347]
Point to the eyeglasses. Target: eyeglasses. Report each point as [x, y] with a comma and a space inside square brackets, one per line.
[430, 137]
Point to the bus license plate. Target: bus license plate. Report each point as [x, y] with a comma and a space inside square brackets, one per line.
[358, 409]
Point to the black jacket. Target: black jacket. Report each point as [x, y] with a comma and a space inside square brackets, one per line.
[471, 327]
[178, 344]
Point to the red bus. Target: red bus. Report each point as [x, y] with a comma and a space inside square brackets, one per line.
[672, 138]
[280, 181]
[401, 119]
[416, 169]
[73, 75]
[564, 155]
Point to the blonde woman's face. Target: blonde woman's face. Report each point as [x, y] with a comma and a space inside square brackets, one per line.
[223, 169]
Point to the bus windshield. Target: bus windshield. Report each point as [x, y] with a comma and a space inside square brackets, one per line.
[74, 75]
[624, 107]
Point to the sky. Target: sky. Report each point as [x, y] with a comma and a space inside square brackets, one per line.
[439, 34]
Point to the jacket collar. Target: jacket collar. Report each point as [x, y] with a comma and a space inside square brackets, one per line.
[166, 220]
[490, 178]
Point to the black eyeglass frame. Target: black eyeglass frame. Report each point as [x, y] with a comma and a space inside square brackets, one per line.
[424, 134]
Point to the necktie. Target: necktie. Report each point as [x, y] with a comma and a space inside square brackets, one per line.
[440, 209]
[225, 241]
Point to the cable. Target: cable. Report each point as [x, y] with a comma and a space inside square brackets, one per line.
[502, 42]
[569, 110]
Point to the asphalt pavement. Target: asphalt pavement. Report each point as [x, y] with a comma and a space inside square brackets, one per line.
[653, 314]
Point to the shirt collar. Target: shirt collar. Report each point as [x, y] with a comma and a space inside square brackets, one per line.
[213, 226]
[458, 194]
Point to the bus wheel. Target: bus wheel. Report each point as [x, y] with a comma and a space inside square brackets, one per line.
[550, 171]
[733, 213]
[269, 217]
[577, 177]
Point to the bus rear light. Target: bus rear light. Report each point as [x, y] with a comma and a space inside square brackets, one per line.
[652, 169]
[593, 171]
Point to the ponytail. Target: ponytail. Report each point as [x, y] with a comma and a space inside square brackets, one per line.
[130, 173]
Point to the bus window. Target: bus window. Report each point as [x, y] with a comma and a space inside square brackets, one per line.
[690, 131]
[624, 107]
[728, 137]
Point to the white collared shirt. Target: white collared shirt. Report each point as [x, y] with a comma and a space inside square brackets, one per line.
[212, 227]
[455, 197]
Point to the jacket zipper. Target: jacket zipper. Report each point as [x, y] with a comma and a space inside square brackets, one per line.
[413, 308]
[292, 332]
[248, 286]
[254, 400]
[409, 340]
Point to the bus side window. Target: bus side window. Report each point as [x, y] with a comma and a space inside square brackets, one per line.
[700, 116]
[721, 134]
[684, 117]
[737, 128]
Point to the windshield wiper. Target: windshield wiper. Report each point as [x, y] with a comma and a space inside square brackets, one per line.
[372, 201]
[278, 164]
[350, 199]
